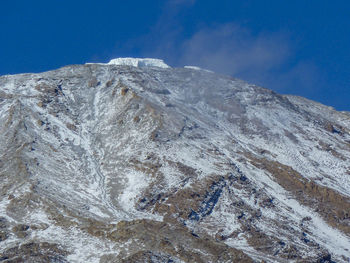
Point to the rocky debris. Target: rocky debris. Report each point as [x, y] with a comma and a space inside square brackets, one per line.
[209, 201]
[21, 230]
[175, 241]
[149, 256]
[164, 241]
[4, 233]
[34, 253]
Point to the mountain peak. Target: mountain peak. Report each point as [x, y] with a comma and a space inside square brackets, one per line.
[133, 163]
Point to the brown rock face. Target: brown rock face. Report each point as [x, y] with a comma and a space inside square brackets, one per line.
[331, 205]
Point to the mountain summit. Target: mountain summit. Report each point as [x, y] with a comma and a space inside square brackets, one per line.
[134, 161]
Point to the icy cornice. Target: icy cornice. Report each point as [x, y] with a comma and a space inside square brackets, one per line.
[144, 62]
[137, 62]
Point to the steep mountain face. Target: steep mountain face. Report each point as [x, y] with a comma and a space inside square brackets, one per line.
[134, 161]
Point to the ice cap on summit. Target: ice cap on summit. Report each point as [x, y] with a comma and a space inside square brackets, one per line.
[143, 62]
[136, 62]
[139, 62]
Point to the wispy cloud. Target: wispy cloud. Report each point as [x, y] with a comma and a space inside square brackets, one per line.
[234, 50]
[265, 58]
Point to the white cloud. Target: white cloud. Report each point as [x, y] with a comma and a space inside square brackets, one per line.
[234, 50]
[267, 59]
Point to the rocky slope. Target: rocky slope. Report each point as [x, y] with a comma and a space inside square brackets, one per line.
[134, 161]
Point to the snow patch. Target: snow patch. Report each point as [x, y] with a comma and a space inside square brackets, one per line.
[136, 182]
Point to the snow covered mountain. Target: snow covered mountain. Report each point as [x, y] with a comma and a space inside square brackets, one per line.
[134, 161]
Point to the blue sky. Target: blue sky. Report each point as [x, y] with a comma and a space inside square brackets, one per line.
[295, 47]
